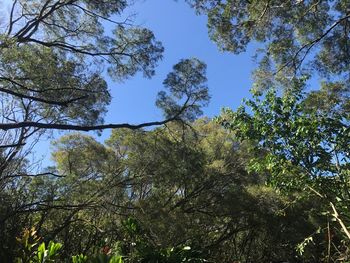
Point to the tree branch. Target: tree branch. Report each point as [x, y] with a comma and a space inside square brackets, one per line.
[57, 126]
[308, 46]
[336, 215]
[11, 17]
[52, 102]
[12, 145]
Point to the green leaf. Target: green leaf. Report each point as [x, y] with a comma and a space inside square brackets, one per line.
[41, 253]
[116, 259]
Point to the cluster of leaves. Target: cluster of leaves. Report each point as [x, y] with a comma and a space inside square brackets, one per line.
[304, 149]
[34, 252]
[31, 251]
[144, 251]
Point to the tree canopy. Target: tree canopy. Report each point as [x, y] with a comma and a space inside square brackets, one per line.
[54, 54]
[291, 38]
[266, 182]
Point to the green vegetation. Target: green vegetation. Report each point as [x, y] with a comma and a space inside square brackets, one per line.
[267, 182]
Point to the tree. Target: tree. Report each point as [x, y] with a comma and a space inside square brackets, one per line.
[184, 186]
[291, 38]
[305, 150]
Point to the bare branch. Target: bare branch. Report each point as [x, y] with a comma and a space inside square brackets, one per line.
[35, 175]
[11, 17]
[72, 48]
[56, 126]
[336, 215]
[52, 102]
[12, 145]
